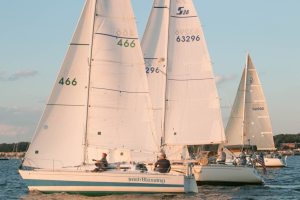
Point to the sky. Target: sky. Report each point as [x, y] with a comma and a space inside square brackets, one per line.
[34, 36]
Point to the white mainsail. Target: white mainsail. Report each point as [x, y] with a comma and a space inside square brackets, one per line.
[183, 89]
[249, 121]
[100, 101]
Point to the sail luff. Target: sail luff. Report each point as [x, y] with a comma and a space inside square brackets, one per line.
[166, 81]
[85, 153]
[244, 100]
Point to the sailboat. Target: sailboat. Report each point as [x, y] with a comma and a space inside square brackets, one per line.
[249, 123]
[99, 104]
[183, 91]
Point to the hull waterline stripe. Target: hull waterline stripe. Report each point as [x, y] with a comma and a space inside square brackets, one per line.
[33, 182]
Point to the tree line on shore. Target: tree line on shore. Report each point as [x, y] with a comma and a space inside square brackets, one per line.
[278, 139]
[286, 138]
[14, 147]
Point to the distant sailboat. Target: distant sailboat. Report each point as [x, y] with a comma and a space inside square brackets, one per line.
[249, 122]
[100, 103]
[183, 90]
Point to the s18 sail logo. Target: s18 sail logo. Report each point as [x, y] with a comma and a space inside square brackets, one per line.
[182, 11]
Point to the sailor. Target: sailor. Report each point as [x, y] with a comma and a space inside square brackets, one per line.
[162, 165]
[221, 157]
[243, 160]
[101, 164]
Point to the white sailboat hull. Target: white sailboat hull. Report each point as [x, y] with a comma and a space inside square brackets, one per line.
[273, 162]
[223, 174]
[92, 183]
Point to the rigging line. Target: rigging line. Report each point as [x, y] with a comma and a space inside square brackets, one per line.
[78, 44]
[67, 105]
[160, 7]
[150, 58]
[202, 79]
[114, 90]
[163, 137]
[116, 36]
[85, 153]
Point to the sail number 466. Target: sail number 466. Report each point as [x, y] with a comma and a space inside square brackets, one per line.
[67, 81]
[126, 43]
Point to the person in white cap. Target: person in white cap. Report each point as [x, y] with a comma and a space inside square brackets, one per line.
[162, 165]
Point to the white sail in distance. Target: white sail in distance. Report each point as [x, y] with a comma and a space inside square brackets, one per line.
[180, 76]
[249, 121]
[100, 101]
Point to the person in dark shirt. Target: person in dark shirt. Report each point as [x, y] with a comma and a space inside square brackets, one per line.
[101, 164]
[162, 165]
[221, 157]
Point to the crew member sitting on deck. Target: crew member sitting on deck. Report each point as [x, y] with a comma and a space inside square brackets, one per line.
[162, 165]
[101, 164]
[243, 159]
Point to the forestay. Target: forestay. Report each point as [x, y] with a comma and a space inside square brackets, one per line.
[100, 101]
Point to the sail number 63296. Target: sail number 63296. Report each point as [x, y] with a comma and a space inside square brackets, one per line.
[189, 38]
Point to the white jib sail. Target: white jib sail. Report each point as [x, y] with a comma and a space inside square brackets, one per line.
[235, 127]
[193, 114]
[100, 100]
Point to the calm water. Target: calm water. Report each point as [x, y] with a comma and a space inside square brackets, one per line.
[281, 183]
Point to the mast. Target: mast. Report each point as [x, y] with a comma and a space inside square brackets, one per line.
[85, 153]
[166, 84]
[244, 100]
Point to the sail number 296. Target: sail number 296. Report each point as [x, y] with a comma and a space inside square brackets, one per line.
[150, 70]
[67, 81]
